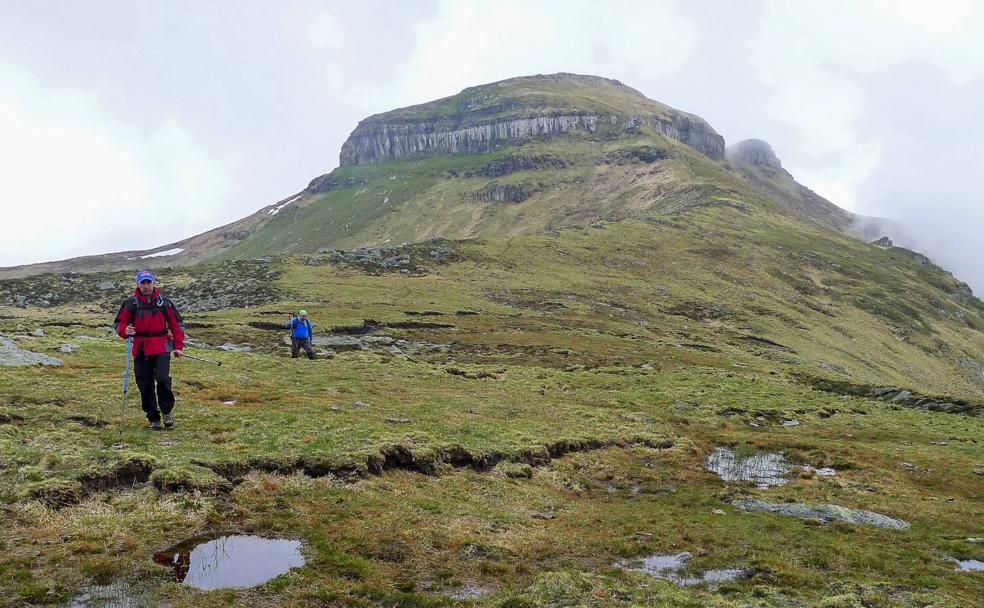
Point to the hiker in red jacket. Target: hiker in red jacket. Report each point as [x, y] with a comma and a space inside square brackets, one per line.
[158, 330]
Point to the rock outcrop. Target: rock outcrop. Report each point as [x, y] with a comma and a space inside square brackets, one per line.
[506, 193]
[753, 152]
[481, 119]
[824, 513]
[511, 163]
[11, 355]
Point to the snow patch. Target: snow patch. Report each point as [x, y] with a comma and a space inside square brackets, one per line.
[161, 254]
[277, 209]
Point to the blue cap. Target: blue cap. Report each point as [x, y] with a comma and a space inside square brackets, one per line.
[145, 275]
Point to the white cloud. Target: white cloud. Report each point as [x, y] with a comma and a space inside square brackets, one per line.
[75, 179]
[468, 43]
[326, 31]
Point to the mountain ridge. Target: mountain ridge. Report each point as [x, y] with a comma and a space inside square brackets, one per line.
[612, 154]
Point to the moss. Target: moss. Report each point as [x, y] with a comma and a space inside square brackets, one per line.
[515, 470]
[188, 477]
[56, 492]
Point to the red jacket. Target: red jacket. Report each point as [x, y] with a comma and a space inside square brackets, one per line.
[160, 328]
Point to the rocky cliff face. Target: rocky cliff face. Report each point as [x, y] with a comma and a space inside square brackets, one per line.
[753, 152]
[478, 121]
[380, 141]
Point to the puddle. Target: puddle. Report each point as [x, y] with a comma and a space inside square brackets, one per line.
[469, 592]
[666, 567]
[764, 469]
[118, 594]
[236, 561]
[970, 565]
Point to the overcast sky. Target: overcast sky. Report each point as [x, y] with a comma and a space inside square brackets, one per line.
[131, 125]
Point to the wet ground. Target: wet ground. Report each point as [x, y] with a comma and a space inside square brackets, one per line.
[764, 469]
[667, 567]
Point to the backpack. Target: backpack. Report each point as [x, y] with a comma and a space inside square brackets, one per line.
[140, 309]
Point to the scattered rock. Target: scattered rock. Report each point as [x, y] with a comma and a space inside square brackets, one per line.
[38, 333]
[235, 348]
[339, 343]
[69, 348]
[360, 404]
[832, 367]
[399, 420]
[790, 423]
[543, 514]
[106, 285]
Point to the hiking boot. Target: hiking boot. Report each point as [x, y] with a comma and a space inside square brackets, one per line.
[168, 421]
[155, 425]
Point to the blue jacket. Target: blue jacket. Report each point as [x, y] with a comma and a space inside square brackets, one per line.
[301, 329]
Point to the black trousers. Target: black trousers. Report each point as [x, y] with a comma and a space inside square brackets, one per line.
[151, 370]
[296, 344]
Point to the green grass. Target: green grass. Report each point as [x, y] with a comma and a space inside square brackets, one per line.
[588, 350]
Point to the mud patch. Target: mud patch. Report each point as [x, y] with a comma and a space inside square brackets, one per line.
[468, 592]
[234, 561]
[87, 420]
[118, 594]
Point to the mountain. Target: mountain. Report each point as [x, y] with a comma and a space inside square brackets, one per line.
[523, 155]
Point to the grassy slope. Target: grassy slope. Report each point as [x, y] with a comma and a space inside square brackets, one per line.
[566, 323]
[547, 95]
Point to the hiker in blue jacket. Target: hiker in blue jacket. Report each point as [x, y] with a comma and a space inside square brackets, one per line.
[301, 334]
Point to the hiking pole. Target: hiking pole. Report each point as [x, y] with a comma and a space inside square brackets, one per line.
[126, 380]
[202, 359]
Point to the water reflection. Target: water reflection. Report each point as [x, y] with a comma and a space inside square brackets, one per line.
[236, 561]
[764, 469]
